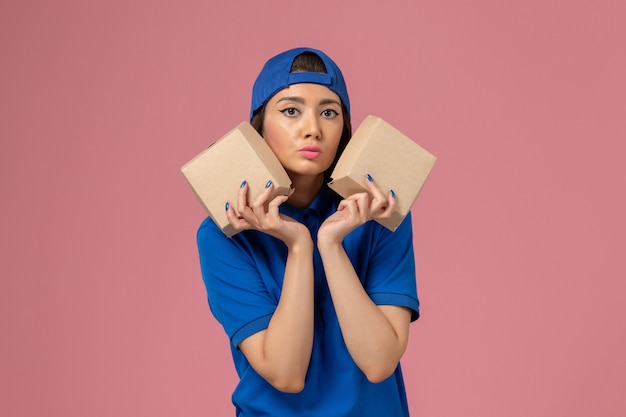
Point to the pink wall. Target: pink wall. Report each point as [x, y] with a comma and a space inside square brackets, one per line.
[520, 231]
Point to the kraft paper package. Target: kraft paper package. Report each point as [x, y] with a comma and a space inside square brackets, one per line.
[394, 161]
[376, 148]
[216, 174]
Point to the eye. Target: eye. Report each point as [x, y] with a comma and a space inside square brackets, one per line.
[290, 112]
[330, 113]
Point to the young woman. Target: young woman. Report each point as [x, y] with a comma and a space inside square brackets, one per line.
[315, 298]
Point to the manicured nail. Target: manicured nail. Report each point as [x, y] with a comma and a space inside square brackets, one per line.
[369, 178]
[243, 184]
[393, 195]
[268, 184]
[227, 206]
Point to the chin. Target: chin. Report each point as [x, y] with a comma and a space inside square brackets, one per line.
[305, 172]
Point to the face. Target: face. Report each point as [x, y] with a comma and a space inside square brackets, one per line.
[303, 125]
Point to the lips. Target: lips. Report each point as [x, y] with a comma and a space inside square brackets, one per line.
[310, 151]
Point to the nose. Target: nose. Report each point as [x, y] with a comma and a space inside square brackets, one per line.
[311, 126]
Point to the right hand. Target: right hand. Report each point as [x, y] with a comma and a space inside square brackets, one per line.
[264, 216]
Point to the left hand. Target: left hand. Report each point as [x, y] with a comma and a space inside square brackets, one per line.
[356, 210]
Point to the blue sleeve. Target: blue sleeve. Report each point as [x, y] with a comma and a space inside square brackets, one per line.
[237, 295]
[391, 268]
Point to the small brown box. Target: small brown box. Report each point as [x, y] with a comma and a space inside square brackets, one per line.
[216, 173]
[392, 159]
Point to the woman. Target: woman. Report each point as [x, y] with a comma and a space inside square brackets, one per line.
[315, 298]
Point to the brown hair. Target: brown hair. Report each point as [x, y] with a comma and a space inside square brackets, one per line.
[310, 62]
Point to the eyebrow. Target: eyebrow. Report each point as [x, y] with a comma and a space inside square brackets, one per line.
[301, 100]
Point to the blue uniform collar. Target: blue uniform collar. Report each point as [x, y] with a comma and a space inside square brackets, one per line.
[321, 206]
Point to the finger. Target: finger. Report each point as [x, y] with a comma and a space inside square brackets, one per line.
[264, 196]
[392, 202]
[242, 198]
[342, 205]
[237, 222]
[360, 205]
[374, 188]
[363, 206]
[379, 199]
[357, 196]
[275, 204]
[351, 206]
[258, 205]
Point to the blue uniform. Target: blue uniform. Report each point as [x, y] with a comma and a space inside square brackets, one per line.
[243, 276]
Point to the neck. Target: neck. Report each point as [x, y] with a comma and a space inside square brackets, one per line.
[305, 190]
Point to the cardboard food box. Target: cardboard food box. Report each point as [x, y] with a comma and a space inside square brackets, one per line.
[216, 174]
[394, 161]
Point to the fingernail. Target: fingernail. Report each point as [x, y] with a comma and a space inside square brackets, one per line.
[227, 206]
[243, 184]
[393, 195]
[369, 178]
[268, 184]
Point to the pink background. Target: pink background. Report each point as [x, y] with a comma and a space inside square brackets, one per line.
[519, 232]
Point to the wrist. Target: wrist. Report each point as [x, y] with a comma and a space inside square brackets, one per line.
[302, 245]
[328, 245]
